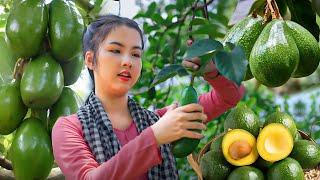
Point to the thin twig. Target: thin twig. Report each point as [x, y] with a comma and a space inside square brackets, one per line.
[203, 5]
[168, 91]
[192, 80]
[205, 10]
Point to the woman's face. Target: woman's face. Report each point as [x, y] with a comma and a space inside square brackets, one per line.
[118, 61]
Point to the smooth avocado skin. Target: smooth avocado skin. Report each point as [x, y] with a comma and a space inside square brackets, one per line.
[66, 27]
[214, 166]
[26, 27]
[12, 109]
[68, 103]
[246, 173]
[72, 69]
[244, 34]
[242, 117]
[31, 151]
[288, 169]
[184, 146]
[217, 144]
[275, 55]
[307, 153]
[41, 83]
[309, 50]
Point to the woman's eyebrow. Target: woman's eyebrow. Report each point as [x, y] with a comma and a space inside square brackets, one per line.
[119, 44]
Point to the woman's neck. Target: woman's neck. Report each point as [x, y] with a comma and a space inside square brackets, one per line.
[114, 104]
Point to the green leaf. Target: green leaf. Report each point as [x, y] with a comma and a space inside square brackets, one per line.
[180, 5]
[170, 7]
[202, 47]
[182, 72]
[97, 8]
[303, 14]
[168, 72]
[151, 93]
[213, 30]
[151, 9]
[226, 7]
[157, 18]
[149, 28]
[199, 21]
[232, 65]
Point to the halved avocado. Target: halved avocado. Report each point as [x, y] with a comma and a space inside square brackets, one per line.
[274, 142]
[239, 147]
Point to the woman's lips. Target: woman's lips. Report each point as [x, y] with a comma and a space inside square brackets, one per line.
[124, 78]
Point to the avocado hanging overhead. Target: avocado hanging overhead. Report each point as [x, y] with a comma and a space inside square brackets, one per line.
[245, 33]
[66, 27]
[26, 27]
[275, 55]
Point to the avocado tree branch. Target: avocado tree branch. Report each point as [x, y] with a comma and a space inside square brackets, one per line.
[5, 163]
[201, 6]
[6, 174]
[205, 10]
[196, 6]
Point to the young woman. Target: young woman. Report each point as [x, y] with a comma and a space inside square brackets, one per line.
[111, 136]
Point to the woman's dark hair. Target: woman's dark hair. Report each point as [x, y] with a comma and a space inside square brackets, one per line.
[97, 31]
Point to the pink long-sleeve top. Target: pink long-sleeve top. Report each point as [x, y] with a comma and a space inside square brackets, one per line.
[139, 152]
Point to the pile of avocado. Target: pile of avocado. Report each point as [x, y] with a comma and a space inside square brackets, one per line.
[248, 149]
[46, 40]
[277, 50]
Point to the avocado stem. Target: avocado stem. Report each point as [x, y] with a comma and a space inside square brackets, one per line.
[192, 79]
[266, 14]
[254, 14]
[277, 11]
[18, 68]
[239, 149]
[273, 13]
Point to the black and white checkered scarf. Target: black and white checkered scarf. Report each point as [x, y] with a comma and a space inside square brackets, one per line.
[104, 144]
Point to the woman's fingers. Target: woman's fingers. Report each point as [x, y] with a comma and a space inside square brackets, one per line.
[194, 116]
[192, 134]
[193, 63]
[194, 125]
[190, 65]
[193, 107]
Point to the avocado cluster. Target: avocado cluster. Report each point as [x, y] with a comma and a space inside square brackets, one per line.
[277, 50]
[249, 149]
[47, 38]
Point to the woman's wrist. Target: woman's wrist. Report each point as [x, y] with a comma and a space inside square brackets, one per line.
[212, 75]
